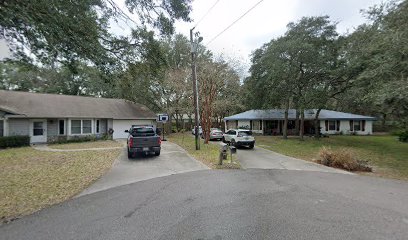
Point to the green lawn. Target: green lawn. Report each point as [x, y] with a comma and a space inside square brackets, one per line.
[31, 179]
[208, 153]
[386, 154]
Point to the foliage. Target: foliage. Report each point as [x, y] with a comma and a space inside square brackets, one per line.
[342, 158]
[14, 141]
[403, 136]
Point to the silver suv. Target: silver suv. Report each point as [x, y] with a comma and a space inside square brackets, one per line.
[239, 137]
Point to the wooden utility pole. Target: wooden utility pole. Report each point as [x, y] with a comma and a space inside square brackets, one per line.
[195, 90]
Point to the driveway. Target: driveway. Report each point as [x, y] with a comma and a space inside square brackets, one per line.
[172, 160]
[265, 159]
[229, 204]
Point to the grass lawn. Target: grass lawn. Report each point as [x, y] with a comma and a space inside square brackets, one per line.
[386, 154]
[31, 180]
[83, 145]
[208, 153]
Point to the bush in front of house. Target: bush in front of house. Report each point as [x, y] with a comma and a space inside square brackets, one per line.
[14, 141]
[403, 136]
[342, 158]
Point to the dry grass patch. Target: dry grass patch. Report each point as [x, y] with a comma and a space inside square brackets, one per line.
[31, 180]
[84, 145]
[342, 158]
[208, 153]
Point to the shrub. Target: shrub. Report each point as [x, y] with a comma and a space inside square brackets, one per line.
[77, 140]
[14, 141]
[342, 158]
[403, 136]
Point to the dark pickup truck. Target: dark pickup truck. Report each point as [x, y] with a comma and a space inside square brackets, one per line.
[143, 139]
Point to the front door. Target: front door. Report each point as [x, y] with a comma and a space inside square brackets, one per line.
[38, 131]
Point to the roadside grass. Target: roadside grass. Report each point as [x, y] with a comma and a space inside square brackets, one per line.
[31, 179]
[83, 145]
[208, 153]
[386, 154]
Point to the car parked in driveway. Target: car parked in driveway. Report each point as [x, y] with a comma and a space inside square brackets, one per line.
[215, 134]
[143, 139]
[239, 137]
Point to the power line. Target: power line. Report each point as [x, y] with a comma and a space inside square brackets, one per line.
[234, 22]
[205, 15]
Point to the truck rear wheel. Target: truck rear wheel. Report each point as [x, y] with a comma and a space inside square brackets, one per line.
[129, 154]
[157, 153]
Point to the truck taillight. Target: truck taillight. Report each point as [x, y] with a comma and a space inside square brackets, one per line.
[130, 142]
[159, 141]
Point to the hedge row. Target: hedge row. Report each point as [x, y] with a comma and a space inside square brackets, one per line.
[14, 141]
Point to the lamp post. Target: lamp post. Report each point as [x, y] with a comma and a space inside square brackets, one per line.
[194, 46]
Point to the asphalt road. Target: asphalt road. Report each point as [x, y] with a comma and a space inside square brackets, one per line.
[229, 204]
[172, 160]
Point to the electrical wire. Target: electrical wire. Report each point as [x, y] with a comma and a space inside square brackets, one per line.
[234, 22]
[205, 15]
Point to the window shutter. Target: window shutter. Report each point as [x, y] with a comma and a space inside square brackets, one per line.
[363, 125]
[327, 125]
[351, 125]
[338, 125]
[250, 125]
[260, 124]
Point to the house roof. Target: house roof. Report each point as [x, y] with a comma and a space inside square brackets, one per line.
[279, 114]
[39, 105]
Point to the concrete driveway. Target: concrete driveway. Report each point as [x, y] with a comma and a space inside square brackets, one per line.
[261, 158]
[173, 160]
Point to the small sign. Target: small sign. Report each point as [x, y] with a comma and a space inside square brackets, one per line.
[163, 118]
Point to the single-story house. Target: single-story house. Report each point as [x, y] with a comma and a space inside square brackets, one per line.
[270, 122]
[52, 117]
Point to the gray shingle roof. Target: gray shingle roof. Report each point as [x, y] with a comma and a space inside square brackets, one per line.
[279, 114]
[38, 105]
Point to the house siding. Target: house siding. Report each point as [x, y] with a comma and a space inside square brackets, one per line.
[345, 128]
[103, 124]
[18, 127]
[52, 127]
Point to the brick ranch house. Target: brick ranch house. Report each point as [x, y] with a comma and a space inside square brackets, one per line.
[53, 117]
[270, 122]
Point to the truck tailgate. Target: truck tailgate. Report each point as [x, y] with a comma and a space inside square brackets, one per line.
[145, 141]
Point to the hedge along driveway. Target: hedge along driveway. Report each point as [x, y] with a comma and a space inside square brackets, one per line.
[31, 180]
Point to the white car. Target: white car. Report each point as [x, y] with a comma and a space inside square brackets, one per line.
[239, 137]
[215, 134]
[200, 130]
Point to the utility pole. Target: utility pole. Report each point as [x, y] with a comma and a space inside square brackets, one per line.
[195, 90]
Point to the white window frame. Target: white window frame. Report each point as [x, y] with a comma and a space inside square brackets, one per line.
[82, 126]
[65, 127]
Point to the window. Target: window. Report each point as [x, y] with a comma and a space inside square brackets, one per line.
[357, 125]
[38, 129]
[332, 125]
[256, 125]
[76, 127]
[61, 127]
[1, 128]
[86, 126]
[97, 126]
[81, 126]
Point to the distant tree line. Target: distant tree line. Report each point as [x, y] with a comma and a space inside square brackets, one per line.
[313, 66]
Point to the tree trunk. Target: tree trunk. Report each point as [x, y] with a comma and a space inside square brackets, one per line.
[297, 122]
[316, 124]
[285, 123]
[302, 123]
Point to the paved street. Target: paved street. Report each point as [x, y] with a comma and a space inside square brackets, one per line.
[230, 204]
[173, 160]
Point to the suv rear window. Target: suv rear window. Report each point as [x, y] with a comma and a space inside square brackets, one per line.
[244, 133]
[141, 132]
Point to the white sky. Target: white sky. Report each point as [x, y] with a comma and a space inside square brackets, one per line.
[268, 20]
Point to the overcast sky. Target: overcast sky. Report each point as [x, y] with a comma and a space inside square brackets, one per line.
[268, 20]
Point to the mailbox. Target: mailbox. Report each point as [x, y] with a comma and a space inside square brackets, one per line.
[233, 149]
